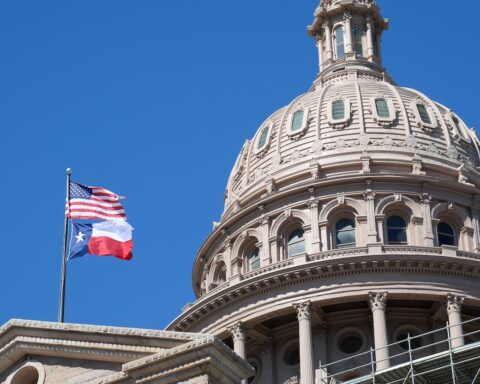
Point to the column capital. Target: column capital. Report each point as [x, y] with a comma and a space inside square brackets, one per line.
[454, 303]
[304, 310]
[238, 331]
[378, 300]
[425, 199]
[347, 16]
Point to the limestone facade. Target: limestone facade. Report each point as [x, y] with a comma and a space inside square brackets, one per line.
[351, 218]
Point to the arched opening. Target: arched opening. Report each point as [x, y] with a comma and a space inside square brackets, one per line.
[253, 259]
[220, 274]
[446, 234]
[424, 114]
[339, 42]
[296, 242]
[357, 40]
[397, 230]
[26, 375]
[345, 233]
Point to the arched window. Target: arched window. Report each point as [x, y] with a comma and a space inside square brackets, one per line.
[296, 243]
[340, 42]
[253, 259]
[357, 39]
[297, 121]
[381, 106]
[424, 115]
[396, 230]
[345, 233]
[446, 236]
[220, 274]
[338, 110]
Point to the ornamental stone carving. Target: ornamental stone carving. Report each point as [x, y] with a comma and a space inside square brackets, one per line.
[378, 300]
[304, 310]
[238, 331]
[454, 303]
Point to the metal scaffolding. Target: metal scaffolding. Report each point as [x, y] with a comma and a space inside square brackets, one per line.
[419, 362]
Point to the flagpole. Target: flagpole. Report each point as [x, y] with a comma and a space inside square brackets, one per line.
[63, 277]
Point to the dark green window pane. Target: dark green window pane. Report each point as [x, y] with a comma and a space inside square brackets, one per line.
[338, 109]
[382, 108]
[297, 121]
[446, 236]
[263, 138]
[296, 243]
[340, 42]
[424, 115]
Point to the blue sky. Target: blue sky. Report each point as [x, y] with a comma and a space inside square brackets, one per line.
[153, 100]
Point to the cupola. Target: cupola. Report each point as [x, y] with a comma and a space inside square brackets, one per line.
[348, 35]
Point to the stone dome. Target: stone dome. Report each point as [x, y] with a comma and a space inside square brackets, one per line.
[411, 134]
[357, 191]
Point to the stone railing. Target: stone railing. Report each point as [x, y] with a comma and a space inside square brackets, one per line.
[469, 255]
[408, 249]
[337, 253]
[269, 268]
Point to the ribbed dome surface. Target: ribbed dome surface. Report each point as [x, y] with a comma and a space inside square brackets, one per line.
[279, 158]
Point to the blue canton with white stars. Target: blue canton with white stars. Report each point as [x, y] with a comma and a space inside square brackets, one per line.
[79, 191]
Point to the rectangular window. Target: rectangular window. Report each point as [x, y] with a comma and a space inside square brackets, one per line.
[338, 109]
[424, 115]
[382, 108]
[297, 121]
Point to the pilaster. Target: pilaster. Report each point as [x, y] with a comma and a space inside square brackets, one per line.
[314, 205]
[425, 200]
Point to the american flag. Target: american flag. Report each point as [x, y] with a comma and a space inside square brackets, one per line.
[93, 203]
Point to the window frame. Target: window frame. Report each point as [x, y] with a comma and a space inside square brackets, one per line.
[454, 231]
[460, 131]
[287, 242]
[335, 44]
[249, 255]
[339, 123]
[427, 127]
[334, 232]
[392, 113]
[361, 33]
[407, 222]
[260, 150]
[304, 127]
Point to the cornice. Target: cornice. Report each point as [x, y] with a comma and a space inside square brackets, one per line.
[425, 260]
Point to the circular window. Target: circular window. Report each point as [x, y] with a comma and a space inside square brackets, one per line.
[402, 338]
[292, 356]
[350, 344]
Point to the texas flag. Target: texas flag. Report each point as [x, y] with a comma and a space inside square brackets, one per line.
[107, 238]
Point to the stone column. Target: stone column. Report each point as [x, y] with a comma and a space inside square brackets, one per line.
[454, 310]
[347, 19]
[370, 49]
[327, 30]
[239, 335]
[378, 304]
[476, 230]
[427, 221]
[313, 205]
[320, 53]
[267, 362]
[304, 313]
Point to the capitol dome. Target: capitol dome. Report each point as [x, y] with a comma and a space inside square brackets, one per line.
[352, 219]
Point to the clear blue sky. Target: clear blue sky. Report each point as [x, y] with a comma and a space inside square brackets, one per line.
[153, 99]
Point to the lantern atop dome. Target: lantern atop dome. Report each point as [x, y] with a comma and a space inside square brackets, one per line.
[348, 34]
